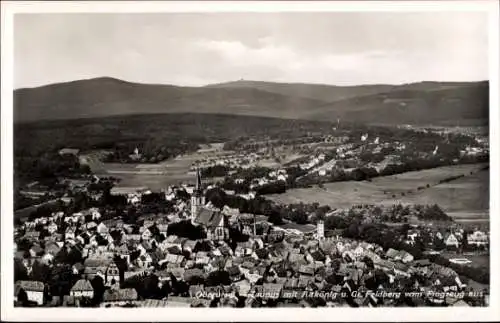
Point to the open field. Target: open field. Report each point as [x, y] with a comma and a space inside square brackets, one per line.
[464, 199]
[154, 176]
[170, 172]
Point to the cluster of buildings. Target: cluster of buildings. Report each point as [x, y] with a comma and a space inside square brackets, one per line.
[232, 160]
[275, 268]
[451, 235]
[268, 268]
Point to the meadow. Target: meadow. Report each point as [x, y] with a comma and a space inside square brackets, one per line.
[465, 199]
[158, 176]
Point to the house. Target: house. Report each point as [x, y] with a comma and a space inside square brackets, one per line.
[193, 274]
[69, 234]
[117, 297]
[112, 274]
[234, 273]
[53, 247]
[145, 260]
[358, 252]
[33, 289]
[47, 259]
[242, 287]
[306, 270]
[477, 238]
[162, 228]
[146, 234]
[392, 253]
[102, 229]
[77, 268]
[214, 223]
[384, 265]
[69, 152]
[451, 241]
[171, 241]
[405, 256]
[91, 226]
[32, 235]
[96, 215]
[202, 258]
[189, 245]
[96, 266]
[52, 228]
[133, 237]
[172, 259]
[177, 272]
[449, 283]
[82, 288]
[401, 269]
[422, 263]
[270, 290]
[36, 251]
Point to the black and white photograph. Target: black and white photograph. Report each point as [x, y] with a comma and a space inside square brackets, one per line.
[237, 157]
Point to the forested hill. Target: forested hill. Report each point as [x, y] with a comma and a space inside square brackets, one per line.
[416, 103]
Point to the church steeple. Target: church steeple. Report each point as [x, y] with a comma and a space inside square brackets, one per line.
[197, 198]
[198, 188]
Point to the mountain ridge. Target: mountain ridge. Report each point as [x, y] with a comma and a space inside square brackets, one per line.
[107, 96]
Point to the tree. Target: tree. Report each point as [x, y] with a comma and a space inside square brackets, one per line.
[20, 272]
[320, 214]
[40, 272]
[153, 198]
[352, 231]
[368, 261]
[22, 297]
[99, 288]
[183, 195]
[275, 218]
[216, 196]
[186, 230]
[218, 278]
[61, 280]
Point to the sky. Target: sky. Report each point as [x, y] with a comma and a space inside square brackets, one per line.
[196, 49]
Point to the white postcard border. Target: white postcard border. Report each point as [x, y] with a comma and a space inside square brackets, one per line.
[9, 313]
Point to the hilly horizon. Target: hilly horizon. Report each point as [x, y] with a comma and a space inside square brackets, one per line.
[414, 103]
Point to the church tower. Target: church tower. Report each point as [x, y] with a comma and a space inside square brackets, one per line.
[197, 198]
[320, 230]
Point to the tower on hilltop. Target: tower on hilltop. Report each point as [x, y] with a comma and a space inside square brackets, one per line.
[197, 198]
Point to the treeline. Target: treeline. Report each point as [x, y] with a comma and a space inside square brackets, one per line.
[186, 230]
[367, 173]
[21, 201]
[215, 171]
[258, 205]
[299, 213]
[396, 213]
[47, 167]
[156, 135]
[150, 150]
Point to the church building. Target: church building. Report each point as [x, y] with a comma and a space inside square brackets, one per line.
[213, 221]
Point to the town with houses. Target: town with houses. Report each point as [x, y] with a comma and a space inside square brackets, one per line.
[247, 158]
[105, 245]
